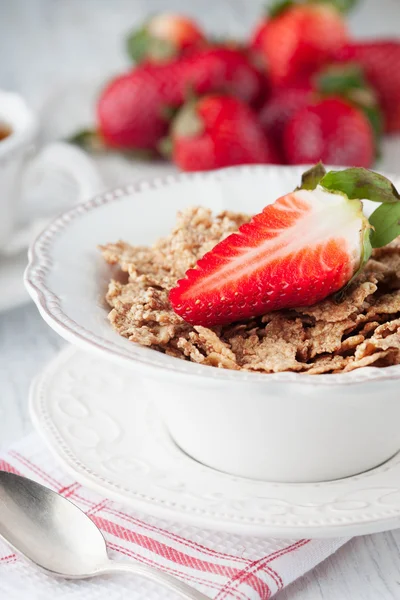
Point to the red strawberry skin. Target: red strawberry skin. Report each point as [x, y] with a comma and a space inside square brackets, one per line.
[228, 133]
[131, 110]
[298, 40]
[292, 254]
[330, 130]
[280, 107]
[381, 63]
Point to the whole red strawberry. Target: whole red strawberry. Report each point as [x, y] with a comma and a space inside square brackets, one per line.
[131, 111]
[164, 37]
[344, 80]
[297, 251]
[282, 104]
[331, 130]
[298, 38]
[381, 62]
[218, 131]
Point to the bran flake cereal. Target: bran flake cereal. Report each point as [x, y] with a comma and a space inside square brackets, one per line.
[330, 337]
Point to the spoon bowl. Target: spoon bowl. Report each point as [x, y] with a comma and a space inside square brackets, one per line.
[35, 522]
[54, 534]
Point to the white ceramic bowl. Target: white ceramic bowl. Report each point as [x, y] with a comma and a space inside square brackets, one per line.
[280, 427]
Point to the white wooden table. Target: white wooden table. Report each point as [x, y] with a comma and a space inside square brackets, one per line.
[43, 44]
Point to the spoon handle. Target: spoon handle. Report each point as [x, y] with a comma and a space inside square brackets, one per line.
[172, 583]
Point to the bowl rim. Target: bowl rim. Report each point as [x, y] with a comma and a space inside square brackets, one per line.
[50, 306]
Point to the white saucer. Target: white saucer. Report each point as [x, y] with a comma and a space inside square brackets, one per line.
[94, 417]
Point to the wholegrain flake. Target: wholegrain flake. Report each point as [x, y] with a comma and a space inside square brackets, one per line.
[333, 336]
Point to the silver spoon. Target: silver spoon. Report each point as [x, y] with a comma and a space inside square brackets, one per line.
[58, 537]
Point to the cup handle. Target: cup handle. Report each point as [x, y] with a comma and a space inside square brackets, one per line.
[67, 159]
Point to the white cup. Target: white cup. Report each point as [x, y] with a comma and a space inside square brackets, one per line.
[18, 152]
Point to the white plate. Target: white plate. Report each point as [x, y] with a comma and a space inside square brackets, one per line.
[94, 417]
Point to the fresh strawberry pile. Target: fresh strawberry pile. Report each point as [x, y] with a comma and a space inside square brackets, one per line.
[299, 91]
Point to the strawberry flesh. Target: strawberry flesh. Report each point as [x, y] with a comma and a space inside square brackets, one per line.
[297, 251]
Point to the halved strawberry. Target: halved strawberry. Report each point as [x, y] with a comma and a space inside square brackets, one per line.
[297, 251]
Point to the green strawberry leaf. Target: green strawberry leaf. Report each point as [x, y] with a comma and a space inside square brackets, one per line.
[137, 44]
[88, 139]
[141, 45]
[343, 6]
[165, 147]
[366, 251]
[280, 6]
[386, 223]
[311, 178]
[91, 141]
[374, 116]
[161, 50]
[362, 184]
[340, 78]
[365, 256]
[169, 112]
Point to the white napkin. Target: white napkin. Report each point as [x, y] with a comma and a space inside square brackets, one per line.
[221, 565]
